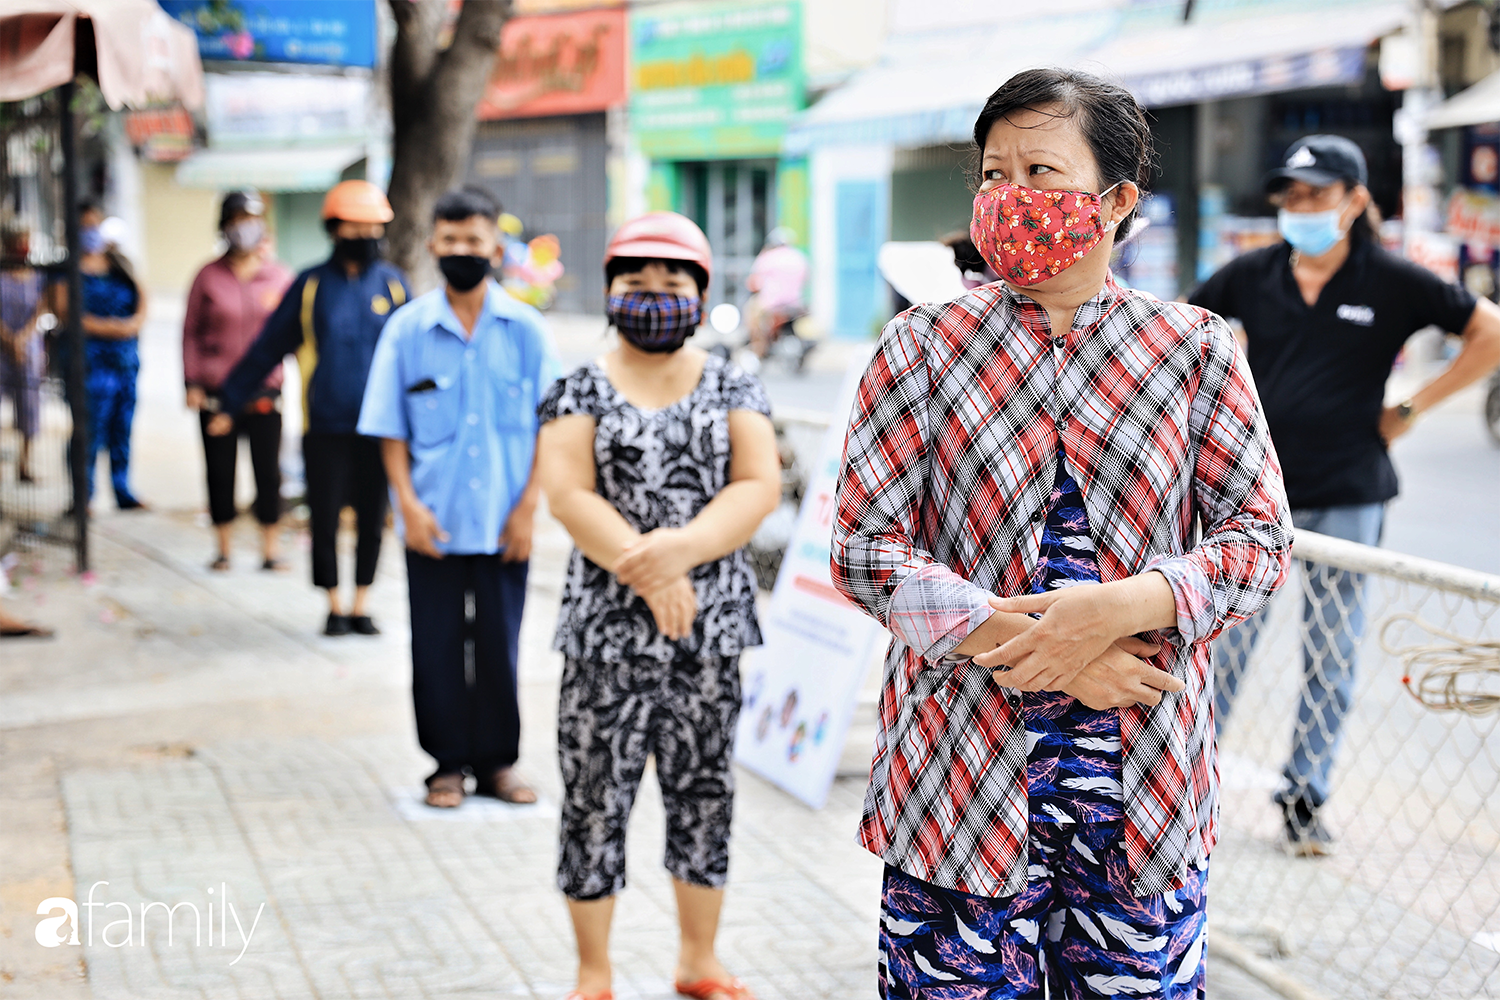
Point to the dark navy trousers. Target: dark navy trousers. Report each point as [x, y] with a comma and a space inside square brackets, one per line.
[465, 642]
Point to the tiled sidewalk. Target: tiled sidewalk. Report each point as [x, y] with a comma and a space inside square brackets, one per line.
[203, 737]
[366, 891]
[368, 894]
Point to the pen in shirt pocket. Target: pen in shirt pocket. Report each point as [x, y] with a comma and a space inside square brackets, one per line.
[426, 385]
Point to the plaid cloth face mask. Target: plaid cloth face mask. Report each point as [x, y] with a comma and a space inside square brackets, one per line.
[1028, 236]
[655, 321]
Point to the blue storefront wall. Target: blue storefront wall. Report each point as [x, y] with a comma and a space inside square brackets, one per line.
[860, 220]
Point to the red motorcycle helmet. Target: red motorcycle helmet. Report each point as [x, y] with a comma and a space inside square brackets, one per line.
[663, 236]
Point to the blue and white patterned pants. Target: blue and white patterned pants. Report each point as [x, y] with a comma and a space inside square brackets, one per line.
[1075, 926]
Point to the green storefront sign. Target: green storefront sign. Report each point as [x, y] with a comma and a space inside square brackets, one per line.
[715, 81]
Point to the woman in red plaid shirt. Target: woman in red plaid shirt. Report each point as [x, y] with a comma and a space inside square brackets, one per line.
[1056, 492]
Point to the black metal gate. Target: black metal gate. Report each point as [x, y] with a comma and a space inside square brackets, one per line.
[43, 412]
[550, 172]
[733, 201]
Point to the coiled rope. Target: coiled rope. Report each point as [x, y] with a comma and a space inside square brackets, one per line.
[1459, 675]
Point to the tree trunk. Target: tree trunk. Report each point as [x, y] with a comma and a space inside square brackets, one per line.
[433, 94]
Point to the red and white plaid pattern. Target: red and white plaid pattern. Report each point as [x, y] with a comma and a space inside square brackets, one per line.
[947, 471]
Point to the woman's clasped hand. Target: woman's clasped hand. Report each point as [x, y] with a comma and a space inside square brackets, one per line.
[1083, 645]
[656, 567]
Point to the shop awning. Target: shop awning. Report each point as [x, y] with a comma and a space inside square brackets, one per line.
[1245, 56]
[268, 169]
[1477, 105]
[138, 54]
[929, 90]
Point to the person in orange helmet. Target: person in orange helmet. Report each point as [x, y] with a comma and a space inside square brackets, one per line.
[331, 318]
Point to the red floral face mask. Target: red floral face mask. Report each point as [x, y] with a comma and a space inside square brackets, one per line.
[1028, 236]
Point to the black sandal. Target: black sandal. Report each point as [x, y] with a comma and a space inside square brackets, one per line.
[25, 631]
[274, 566]
[220, 565]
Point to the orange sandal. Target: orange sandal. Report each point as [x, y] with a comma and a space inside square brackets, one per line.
[715, 989]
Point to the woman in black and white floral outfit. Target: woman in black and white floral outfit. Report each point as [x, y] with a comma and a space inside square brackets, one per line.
[660, 460]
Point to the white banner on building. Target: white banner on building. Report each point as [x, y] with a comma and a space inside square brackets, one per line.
[801, 686]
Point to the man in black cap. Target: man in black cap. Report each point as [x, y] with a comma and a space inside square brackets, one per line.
[1325, 313]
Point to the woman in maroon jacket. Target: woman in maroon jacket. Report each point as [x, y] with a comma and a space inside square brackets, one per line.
[229, 302]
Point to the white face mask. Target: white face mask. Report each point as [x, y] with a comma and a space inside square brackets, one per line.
[246, 234]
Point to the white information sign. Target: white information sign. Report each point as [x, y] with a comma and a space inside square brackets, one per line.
[801, 686]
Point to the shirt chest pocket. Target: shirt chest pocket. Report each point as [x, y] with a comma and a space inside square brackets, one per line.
[514, 394]
[434, 411]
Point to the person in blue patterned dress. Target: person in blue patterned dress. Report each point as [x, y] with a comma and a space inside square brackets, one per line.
[934, 942]
[114, 308]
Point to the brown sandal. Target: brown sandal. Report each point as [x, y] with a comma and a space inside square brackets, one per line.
[445, 791]
[25, 631]
[507, 786]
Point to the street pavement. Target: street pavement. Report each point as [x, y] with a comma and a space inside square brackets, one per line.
[190, 738]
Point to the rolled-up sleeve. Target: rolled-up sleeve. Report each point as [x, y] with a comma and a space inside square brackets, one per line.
[878, 561]
[1245, 551]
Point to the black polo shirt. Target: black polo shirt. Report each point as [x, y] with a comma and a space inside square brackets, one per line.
[1321, 370]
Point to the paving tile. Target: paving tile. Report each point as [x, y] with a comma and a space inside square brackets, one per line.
[368, 893]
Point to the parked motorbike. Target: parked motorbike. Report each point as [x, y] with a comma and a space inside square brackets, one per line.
[793, 338]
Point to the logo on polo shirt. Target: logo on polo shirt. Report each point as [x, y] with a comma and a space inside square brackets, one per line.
[1358, 315]
[1302, 158]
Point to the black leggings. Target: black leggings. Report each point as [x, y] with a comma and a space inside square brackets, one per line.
[221, 455]
[344, 470]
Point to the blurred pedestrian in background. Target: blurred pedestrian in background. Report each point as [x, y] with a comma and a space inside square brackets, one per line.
[776, 279]
[973, 269]
[1044, 791]
[114, 309]
[452, 394]
[226, 308]
[22, 357]
[1325, 313]
[660, 460]
[331, 318]
[90, 214]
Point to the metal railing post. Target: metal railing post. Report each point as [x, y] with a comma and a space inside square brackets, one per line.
[79, 453]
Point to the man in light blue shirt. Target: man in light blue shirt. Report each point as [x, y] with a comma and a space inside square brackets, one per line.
[453, 390]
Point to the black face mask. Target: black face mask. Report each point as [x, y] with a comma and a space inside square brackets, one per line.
[462, 271]
[359, 252]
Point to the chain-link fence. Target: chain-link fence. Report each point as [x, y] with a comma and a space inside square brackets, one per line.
[1359, 841]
